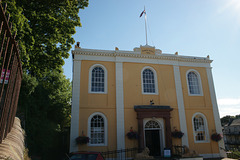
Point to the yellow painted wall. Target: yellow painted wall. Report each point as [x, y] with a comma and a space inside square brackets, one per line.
[200, 104]
[196, 101]
[93, 102]
[207, 147]
[106, 103]
[133, 95]
[130, 117]
[110, 115]
[175, 124]
[133, 88]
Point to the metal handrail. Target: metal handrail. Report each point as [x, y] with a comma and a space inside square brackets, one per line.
[11, 74]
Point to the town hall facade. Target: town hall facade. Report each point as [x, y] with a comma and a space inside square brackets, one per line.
[147, 92]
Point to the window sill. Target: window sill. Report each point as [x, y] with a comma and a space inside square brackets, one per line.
[150, 93]
[97, 145]
[201, 141]
[97, 92]
[195, 95]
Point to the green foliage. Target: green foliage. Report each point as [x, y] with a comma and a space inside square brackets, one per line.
[44, 32]
[237, 116]
[45, 29]
[235, 154]
[46, 107]
[227, 119]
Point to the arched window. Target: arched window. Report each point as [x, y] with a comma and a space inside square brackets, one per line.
[152, 125]
[149, 81]
[97, 129]
[194, 82]
[200, 128]
[97, 79]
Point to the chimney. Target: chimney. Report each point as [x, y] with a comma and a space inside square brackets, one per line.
[78, 45]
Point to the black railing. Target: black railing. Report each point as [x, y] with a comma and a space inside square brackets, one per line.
[232, 133]
[11, 74]
[176, 152]
[121, 154]
[232, 142]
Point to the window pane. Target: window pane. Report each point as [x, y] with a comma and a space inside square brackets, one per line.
[193, 83]
[152, 124]
[97, 80]
[97, 130]
[199, 128]
[148, 81]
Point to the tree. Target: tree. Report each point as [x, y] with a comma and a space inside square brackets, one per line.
[44, 31]
[228, 119]
[46, 107]
[237, 116]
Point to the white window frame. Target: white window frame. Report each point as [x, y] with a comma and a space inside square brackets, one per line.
[155, 80]
[199, 83]
[90, 79]
[105, 129]
[205, 128]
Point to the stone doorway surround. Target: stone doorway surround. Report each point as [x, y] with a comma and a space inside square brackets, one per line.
[150, 111]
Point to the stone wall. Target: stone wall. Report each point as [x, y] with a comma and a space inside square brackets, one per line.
[12, 146]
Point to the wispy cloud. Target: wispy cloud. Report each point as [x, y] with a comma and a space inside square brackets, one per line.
[229, 106]
[229, 101]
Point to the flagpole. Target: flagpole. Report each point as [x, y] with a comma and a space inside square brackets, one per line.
[144, 12]
[146, 26]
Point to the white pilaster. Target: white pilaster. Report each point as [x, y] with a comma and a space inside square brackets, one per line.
[215, 111]
[120, 106]
[181, 110]
[74, 132]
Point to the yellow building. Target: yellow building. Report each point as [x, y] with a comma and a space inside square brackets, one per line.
[146, 91]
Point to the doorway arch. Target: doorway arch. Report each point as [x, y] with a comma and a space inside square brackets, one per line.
[153, 136]
[154, 112]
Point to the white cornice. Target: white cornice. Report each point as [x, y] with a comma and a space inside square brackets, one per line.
[134, 54]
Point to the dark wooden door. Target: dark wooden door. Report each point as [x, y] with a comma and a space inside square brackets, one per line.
[152, 139]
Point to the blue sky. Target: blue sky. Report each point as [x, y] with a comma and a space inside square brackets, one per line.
[190, 27]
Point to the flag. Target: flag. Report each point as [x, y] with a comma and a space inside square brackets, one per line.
[142, 13]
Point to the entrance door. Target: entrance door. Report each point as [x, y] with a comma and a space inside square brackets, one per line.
[152, 139]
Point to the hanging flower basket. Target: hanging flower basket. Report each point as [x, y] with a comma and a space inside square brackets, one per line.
[132, 134]
[216, 137]
[82, 140]
[177, 134]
